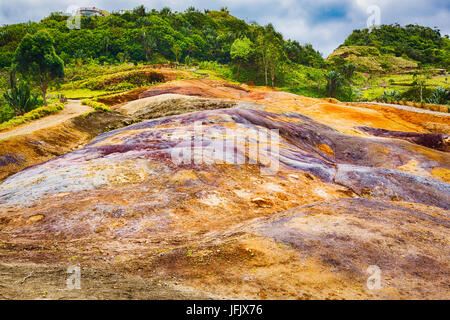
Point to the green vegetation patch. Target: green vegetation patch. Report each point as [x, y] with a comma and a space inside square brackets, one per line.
[120, 81]
[98, 106]
[81, 93]
[369, 59]
[421, 44]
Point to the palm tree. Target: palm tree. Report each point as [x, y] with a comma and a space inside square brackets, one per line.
[348, 70]
[148, 43]
[166, 11]
[106, 41]
[439, 96]
[139, 11]
[334, 82]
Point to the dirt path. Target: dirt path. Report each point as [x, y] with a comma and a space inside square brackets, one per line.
[407, 108]
[72, 109]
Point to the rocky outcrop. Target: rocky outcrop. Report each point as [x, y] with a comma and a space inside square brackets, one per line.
[436, 141]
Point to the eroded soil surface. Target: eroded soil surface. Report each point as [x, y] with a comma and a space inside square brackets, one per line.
[179, 205]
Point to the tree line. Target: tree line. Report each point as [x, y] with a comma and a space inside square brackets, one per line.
[157, 36]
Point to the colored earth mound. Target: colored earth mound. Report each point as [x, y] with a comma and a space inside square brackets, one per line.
[225, 191]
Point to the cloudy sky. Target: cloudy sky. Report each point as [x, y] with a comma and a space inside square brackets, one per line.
[324, 23]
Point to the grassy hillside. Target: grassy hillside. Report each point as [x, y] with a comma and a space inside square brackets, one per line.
[369, 59]
[422, 44]
[396, 63]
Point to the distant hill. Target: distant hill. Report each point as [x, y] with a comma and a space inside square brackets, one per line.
[394, 48]
[370, 59]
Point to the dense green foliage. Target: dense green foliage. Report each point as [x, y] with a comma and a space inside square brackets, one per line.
[35, 58]
[139, 36]
[422, 44]
[334, 83]
[390, 96]
[440, 96]
[19, 96]
[416, 94]
[241, 51]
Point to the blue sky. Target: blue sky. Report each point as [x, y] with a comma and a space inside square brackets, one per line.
[323, 23]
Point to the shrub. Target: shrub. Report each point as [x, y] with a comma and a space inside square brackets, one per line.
[439, 96]
[6, 113]
[222, 70]
[390, 96]
[124, 80]
[413, 93]
[98, 106]
[19, 96]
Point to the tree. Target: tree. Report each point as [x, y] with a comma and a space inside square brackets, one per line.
[106, 40]
[177, 50]
[334, 82]
[275, 55]
[240, 52]
[348, 70]
[148, 43]
[261, 47]
[269, 45]
[419, 80]
[139, 11]
[166, 11]
[35, 57]
[274, 59]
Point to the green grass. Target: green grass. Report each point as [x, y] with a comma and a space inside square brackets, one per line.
[369, 59]
[398, 82]
[118, 81]
[92, 70]
[96, 105]
[216, 71]
[375, 93]
[81, 93]
[32, 115]
[305, 81]
[408, 78]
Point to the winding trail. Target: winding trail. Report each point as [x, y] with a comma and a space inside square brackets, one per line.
[72, 109]
[407, 108]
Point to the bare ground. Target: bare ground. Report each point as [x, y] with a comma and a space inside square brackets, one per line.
[40, 281]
